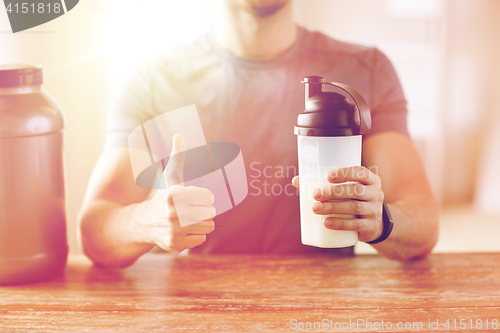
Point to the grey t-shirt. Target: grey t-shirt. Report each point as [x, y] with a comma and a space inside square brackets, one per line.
[255, 103]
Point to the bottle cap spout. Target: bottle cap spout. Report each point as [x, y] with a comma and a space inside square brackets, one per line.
[340, 113]
[314, 85]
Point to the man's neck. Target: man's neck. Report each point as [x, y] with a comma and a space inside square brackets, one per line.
[248, 36]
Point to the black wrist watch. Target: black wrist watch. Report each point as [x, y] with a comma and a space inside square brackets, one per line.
[387, 225]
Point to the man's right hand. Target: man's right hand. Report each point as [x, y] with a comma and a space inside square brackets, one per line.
[162, 227]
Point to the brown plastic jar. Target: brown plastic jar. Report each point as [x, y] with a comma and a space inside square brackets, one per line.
[33, 244]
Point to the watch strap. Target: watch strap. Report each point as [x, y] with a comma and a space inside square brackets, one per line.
[388, 224]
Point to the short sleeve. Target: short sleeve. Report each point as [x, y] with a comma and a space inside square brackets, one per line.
[131, 105]
[388, 105]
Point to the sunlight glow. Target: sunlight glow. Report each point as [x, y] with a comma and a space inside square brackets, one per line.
[140, 29]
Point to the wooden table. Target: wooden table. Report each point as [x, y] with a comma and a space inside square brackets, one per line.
[173, 293]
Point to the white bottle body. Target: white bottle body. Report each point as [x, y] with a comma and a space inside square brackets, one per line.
[317, 157]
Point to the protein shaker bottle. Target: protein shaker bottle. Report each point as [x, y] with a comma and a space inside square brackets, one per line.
[329, 133]
[33, 244]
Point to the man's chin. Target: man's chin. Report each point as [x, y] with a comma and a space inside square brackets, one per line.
[264, 8]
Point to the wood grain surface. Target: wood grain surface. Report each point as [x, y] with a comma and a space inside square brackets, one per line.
[172, 293]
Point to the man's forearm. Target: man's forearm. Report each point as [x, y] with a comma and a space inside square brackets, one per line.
[415, 228]
[110, 235]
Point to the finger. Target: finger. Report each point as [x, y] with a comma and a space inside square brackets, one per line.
[354, 191]
[200, 228]
[187, 242]
[174, 171]
[368, 229]
[195, 240]
[191, 195]
[356, 173]
[350, 207]
[295, 181]
[188, 213]
[336, 223]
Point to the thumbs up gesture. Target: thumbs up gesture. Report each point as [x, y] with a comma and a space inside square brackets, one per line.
[174, 171]
[182, 216]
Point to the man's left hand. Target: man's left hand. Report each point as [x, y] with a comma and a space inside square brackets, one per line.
[362, 199]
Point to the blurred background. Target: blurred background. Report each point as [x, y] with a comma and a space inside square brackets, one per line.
[446, 53]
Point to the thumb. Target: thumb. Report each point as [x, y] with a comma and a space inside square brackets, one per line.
[174, 171]
[295, 181]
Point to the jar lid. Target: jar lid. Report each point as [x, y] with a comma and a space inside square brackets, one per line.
[20, 75]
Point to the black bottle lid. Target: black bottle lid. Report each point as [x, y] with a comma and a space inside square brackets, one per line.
[331, 113]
